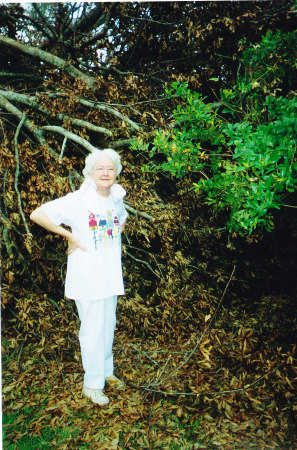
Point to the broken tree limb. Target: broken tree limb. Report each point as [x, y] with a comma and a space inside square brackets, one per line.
[103, 21]
[85, 124]
[46, 24]
[63, 149]
[71, 136]
[17, 74]
[51, 59]
[129, 141]
[206, 328]
[143, 262]
[123, 142]
[31, 102]
[138, 213]
[17, 171]
[116, 113]
[6, 240]
[103, 107]
[4, 103]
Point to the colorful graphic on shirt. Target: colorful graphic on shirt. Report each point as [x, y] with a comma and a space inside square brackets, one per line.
[92, 222]
[105, 228]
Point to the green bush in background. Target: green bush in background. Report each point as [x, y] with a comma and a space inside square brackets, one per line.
[244, 146]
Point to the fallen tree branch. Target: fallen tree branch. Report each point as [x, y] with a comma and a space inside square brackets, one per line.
[46, 23]
[103, 107]
[51, 59]
[244, 389]
[129, 141]
[206, 328]
[31, 101]
[143, 262]
[123, 142]
[110, 110]
[27, 123]
[63, 149]
[222, 297]
[101, 33]
[6, 240]
[16, 136]
[147, 355]
[17, 74]
[87, 21]
[290, 206]
[71, 136]
[138, 213]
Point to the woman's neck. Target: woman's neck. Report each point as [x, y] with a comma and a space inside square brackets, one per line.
[103, 192]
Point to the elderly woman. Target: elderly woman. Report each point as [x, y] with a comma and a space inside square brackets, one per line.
[96, 215]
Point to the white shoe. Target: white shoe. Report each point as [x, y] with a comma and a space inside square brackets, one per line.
[114, 381]
[96, 395]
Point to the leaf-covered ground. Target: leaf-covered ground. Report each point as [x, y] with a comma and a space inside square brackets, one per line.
[223, 387]
[205, 338]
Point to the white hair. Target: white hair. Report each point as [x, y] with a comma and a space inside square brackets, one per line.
[94, 157]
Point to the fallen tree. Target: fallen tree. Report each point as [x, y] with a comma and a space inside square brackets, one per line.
[205, 310]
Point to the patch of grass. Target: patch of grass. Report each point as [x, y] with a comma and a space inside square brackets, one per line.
[43, 409]
[16, 435]
[189, 430]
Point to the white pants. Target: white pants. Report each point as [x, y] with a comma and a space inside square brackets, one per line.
[98, 322]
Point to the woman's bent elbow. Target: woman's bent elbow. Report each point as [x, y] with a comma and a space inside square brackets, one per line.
[34, 215]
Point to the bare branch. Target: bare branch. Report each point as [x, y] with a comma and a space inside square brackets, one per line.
[62, 149]
[139, 213]
[123, 142]
[17, 74]
[16, 136]
[94, 38]
[101, 33]
[31, 101]
[6, 240]
[143, 262]
[51, 59]
[85, 124]
[27, 123]
[45, 22]
[102, 107]
[206, 328]
[71, 136]
[90, 20]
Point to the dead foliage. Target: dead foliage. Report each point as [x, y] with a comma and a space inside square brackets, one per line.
[207, 329]
[220, 387]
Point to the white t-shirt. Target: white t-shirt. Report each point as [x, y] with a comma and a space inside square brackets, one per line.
[96, 221]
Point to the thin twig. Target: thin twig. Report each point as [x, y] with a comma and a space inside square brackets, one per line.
[20, 352]
[206, 328]
[290, 206]
[222, 297]
[143, 262]
[147, 355]
[184, 363]
[4, 191]
[138, 213]
[6, 240]
[18, 171]
[63, 149]
[154, 397]
[245, 389]
[159, 269]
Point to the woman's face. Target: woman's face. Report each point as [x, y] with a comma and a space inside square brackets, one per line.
[104, 174]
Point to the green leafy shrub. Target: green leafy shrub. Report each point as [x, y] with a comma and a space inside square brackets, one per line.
[244, 147]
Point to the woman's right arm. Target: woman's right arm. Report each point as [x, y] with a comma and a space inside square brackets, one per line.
[39, 216]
